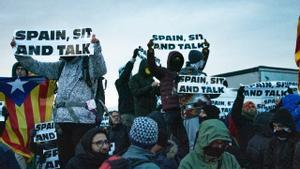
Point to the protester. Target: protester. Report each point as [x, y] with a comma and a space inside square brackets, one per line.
[118, 133]
[125, 104]
[92, 150]
[243, 115]
[210, 148]
[194, 66]
[258, 144]
[169, 97]
[166, 151]
[144, 90]
[7, 156]
[143, 136]
[283, 151]
[18, 70]
[70, 110]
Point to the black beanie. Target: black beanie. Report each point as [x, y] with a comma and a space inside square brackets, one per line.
[195, 56]
[284, 117]
[211, 111]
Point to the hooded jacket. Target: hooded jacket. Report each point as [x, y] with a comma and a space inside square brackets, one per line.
[209, 131]
[144, 95]
[283, 154]
[84, 157]
[14, 68]
[167, 77]
[291, 103]
[72, 87]
[258, 144]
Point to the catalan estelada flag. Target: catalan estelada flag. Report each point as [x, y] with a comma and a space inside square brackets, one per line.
[29, 101]
[297, 52]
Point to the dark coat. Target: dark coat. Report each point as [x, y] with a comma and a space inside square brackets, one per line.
[244, 126]
[7, 158]
[258, 144]
[167, 77]
[144, 95]
[283, 154]
[125, 105]
[84, 157]
[119, 136]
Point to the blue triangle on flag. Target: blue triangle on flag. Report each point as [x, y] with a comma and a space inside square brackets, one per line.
[17, 88]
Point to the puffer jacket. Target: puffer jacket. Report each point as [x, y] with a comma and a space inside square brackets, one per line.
[209, 131]
[167, 77]
[291, 102]
[73, 89]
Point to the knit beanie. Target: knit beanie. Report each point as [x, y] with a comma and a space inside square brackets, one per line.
[195, 56]
[249, 110]
[144, 132]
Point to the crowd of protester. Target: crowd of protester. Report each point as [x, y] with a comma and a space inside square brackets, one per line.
[142, 134]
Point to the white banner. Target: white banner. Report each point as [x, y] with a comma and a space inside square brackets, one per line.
[58, 42]
[45, 132]
[178, 42]
[200, 84]
[2, 118]
[52, 159]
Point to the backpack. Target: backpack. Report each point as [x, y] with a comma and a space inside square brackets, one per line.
[100, 88]
[118, 162]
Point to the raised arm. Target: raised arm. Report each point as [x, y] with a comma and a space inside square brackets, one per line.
[97, 65]
[157, 71]
[236, 111]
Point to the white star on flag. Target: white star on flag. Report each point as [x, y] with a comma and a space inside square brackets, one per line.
[17, 84]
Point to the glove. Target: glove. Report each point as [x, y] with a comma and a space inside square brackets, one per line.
[241, 91]
[135, 53]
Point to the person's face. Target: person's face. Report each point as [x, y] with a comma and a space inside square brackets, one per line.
[100, 144]
[20, 71]
[279, 127]
[115, 118]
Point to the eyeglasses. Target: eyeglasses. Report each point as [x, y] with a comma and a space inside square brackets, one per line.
[101, 142]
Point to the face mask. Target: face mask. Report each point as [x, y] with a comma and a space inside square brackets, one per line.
[213, 151]
[282, 134]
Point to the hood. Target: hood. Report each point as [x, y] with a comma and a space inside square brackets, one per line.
[283, 116]
[175, 61]
[13, 70]
[209, 131]
[143, 66]
[86, 140]
[291, 102]
[261, 124]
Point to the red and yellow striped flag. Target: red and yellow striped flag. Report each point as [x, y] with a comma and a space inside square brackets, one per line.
[297, 52]
[29, 101]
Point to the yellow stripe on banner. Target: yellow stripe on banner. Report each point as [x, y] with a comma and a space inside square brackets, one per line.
[50, 100]
[2, 97]
[297, 56]
[22, 122]
[35, 104]
[11, 134]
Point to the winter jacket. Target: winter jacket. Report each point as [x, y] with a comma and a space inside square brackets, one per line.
[283, 154]
[119, 135]
[244, 126]
[167, 77]
[125, 105]
[291, 102]
[7, 158]
[136, 152]
[84, 157]
[73, 92]
[258, 144]
[144, 95]
[210, 130]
